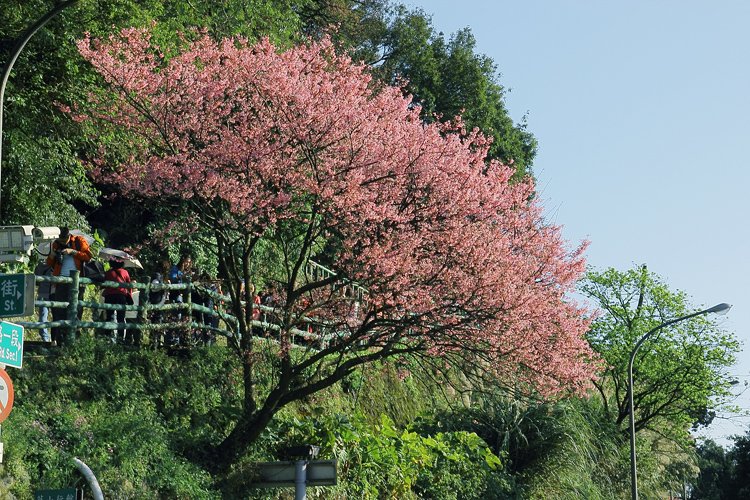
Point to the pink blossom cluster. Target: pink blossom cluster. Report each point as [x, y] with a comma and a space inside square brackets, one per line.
[251, 135]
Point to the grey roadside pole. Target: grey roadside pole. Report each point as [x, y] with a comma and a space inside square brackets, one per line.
[96, 490]
[14, 53]
[719, 309]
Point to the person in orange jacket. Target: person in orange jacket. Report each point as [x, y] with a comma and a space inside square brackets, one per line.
[67, 253]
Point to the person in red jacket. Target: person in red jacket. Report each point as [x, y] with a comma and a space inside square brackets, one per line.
[67, 253]
[122, 296]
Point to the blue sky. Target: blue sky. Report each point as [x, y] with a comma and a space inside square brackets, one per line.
[642, 113]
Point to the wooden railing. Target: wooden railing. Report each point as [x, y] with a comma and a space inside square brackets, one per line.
[318, 272]
[172, 317]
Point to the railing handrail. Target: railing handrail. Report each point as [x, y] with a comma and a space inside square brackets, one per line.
[144, 307]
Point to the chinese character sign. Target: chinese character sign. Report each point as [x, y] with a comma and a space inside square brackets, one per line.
[16, 295]
[62, 494]
[11, 344]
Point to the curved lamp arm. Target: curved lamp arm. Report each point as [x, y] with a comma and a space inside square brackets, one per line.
[718, 309]
[96, 490]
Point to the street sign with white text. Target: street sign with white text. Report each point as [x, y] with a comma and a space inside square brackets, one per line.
[11, 344]
[62, 494]
[16, 295]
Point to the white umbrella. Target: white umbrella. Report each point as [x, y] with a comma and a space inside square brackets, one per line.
[134, 263]
[120, 256]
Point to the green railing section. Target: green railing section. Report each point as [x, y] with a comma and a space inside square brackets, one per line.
[175, 316]
[317, 271]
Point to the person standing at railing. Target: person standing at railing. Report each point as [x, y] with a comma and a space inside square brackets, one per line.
[255, 315]
[157, 298]
[67, 253]
[218, 304]
[200, 298]
[178, 274]
[269, 298]
[119, 296]
[175, 277]
[44, 292]
[202, 295]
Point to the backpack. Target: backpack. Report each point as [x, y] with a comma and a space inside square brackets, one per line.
[93, 270]
[157, 296]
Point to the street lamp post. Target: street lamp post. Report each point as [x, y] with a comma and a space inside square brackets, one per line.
[719, 308]
[14, 53]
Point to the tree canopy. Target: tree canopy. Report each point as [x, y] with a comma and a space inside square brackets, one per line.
[449, 78]
[680, 374]
[298, 149]
[43, 180]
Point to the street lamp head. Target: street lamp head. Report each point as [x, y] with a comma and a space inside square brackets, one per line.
[722, 308]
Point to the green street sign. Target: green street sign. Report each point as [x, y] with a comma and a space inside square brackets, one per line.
[16, 295]
[64, 494]
[11, 344]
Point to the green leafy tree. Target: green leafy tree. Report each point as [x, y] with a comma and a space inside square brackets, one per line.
[724, 473]
[716, 470]
[679, 374]
[740, 463]
[41, 180]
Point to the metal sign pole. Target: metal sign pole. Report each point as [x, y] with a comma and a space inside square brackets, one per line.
[300, 480]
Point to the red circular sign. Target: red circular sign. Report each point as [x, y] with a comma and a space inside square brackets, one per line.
[6, 395]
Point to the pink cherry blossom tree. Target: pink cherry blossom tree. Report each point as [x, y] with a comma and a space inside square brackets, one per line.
[300, 150]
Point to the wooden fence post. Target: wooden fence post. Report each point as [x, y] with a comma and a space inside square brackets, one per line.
[189, 302]
[73, 307]
[143, 302]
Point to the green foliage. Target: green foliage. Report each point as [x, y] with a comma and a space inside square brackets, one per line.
[387, 389]
[740, 457]
[132, 416]
[724, 473]
[679, 373]
[716, 471]
[140, 419]
[564, 449]
[385, 461]
[574, 454]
